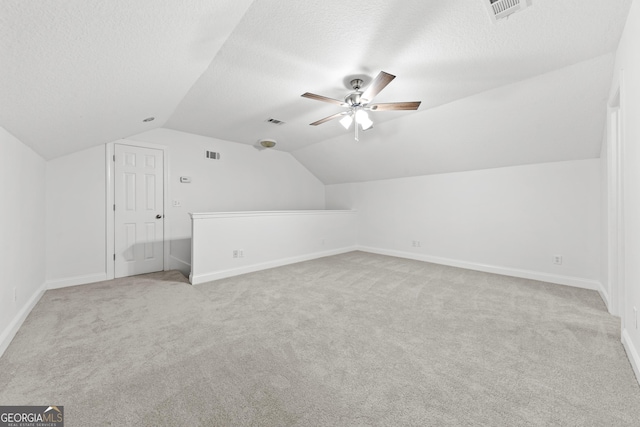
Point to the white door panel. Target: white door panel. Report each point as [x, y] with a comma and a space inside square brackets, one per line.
[139, 212]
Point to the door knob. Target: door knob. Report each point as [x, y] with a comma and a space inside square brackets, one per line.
[158, 216]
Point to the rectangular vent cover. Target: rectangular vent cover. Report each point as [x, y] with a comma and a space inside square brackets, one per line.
[274, 121]
[499, 9]
[212, 155]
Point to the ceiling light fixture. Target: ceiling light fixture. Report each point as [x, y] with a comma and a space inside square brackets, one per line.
[363, 119]
[359, 102]
[360, 116]
[267, 143]
[346, 121]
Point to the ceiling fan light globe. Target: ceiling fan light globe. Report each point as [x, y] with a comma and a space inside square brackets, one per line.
[346, 121]
[361, 116]
[366, 123]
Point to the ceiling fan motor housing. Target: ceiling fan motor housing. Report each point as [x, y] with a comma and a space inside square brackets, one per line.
[354, 99]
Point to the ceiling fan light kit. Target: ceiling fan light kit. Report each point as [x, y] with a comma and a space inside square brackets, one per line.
[359, 102]
[346, 121]
[362, 118]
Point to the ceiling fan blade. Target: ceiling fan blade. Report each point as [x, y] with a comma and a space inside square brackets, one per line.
[326, 119]
[390, 106]
[322, 98]
[375, 87]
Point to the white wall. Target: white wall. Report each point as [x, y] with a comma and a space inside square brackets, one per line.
[22, 246]
[76, 248]
[244, 179]
[266, 239]
[508, 220]
[628, 60]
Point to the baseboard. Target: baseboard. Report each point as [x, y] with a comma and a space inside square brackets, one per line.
[77, 280]
[632, 353]
[203, 278]
[16, 323]
[604, 295]
[505, 271]
[177, 264]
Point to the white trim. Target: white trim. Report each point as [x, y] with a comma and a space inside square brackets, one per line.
[632, 353]
[621, 285]
[207, 215]
[11, 330]
[110, 217]
[76, 280]
[174, 260]
[615, 236]
[109, 228]
[208, 277]
[505, 271]
[179, 264]
[605, 296]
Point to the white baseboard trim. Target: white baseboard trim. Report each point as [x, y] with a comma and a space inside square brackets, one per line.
[605, 296]
[77, 280]
[177, 264]
[16, 323]
[632, 353]
[505, 271]
[208, 277]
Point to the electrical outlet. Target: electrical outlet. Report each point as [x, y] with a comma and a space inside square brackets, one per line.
[235, 253]
[240, 253]
[177, 203]
[557, 259]
[416, 243]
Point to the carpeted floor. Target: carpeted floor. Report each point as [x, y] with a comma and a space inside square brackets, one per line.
[350, 340]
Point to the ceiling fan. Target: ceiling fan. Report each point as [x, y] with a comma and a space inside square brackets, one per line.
[359, 102]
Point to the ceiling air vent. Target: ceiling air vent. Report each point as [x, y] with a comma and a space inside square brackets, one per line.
[499, 9]
[212, 155]
[274, 121]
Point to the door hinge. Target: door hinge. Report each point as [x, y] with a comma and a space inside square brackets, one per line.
[114, 206]
[114, 157]
[114, 257]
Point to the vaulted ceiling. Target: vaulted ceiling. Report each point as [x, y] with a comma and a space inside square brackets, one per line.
[80, 73]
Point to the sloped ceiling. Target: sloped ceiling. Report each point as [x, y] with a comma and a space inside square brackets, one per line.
[556, 116]
[81, 73]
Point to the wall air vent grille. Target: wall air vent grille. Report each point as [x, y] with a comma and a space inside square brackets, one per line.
[275, 121]
[499, 9]
[212, 155]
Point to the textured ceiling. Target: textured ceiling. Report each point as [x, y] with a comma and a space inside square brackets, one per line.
[79, 73]
[440, 51]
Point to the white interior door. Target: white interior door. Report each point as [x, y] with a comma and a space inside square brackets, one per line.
[139, 210]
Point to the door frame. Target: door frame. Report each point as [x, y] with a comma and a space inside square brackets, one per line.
[614, 204]
[615, 201]
[110, 215]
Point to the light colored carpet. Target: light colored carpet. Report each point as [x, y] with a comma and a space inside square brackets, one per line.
[350, 340]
